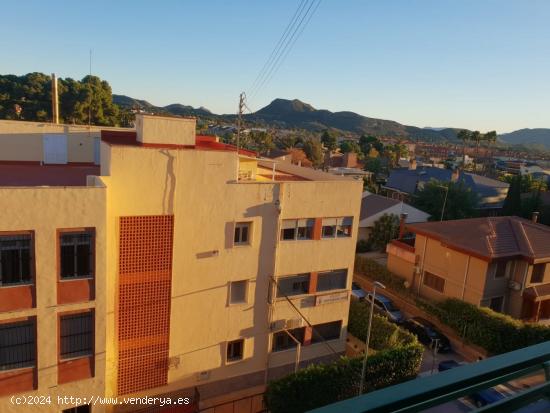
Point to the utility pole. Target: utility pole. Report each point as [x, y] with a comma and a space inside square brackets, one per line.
[435, 348]
[242, 97]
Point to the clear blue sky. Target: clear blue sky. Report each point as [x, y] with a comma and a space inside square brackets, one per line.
[478, 64]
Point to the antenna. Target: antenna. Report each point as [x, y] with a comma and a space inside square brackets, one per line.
[90, 93]
[242, 97]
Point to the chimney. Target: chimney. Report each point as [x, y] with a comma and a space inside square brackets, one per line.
[402, 221]
[455, 175]
[55, 100]
[534, 217]
[350, 160]
[412, 164]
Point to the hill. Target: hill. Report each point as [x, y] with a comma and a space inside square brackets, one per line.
[528, 137]
[297, 114]
[128, 102]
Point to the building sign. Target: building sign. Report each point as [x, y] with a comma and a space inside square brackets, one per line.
[331, 298]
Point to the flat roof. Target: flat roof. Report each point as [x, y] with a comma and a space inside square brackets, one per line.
[34, 174]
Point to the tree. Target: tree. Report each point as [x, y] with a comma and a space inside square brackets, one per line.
[460, 202]
[373, 165]
[368, 143]
[329, 140]
[476, 137]
[351, 146]
[512, 203]
[385, 229]
[259, 141]
[314, 151]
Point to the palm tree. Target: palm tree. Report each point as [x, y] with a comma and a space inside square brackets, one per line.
[490, 137]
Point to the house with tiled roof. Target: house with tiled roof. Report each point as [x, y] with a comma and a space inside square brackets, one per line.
[497, 262]
[373, 206]
[405, 182]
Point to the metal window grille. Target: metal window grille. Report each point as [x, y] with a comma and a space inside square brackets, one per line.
[332, 280]
[17, 345]
[15, 259]
[76, 335]
[293, 285]
[282, 341]
[326, 331]
[76, 255]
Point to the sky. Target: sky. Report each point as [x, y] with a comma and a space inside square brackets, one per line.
[476, 64]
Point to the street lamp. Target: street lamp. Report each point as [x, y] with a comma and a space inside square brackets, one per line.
[446, 188]
[375, 285]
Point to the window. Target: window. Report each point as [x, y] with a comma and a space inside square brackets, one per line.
[293, 285]
[282, 341]
[337, 227]
[433, 281]
[17, 345]
[501, 269]
[80, 409]
[538, 273]
[76, 338]
[329, 228]
[77, 254]
[242, 233]
[297, 229]
[343, 227]
[237, 292]
[332, 280]
[496, 304]
[15, 259]
[326, 331]
[235, 350]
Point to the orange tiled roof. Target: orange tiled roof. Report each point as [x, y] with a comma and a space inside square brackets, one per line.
[491, 237]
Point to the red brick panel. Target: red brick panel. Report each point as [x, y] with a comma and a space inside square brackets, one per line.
[308, 334]
[313, 277]
[77, 369]
[75, 291]
[143, 313]
[17, 381]
[17, 298]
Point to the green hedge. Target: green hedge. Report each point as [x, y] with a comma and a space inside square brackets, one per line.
[388, 335]
[322, 384]
[397, 359]
[497, 333]
[378, 272]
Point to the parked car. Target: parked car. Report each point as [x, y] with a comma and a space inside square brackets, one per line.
[486, 396]
[384, 306]
[447, 365]
[427, 333]
[357, 291]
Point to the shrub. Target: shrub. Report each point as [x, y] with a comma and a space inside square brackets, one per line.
[362, 246]
[497, 333]
[377, 272]
[322, 384]
[397, 359]
[388, 335]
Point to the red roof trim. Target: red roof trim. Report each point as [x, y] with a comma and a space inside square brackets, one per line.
[129, 138]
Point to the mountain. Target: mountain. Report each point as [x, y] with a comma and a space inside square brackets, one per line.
[540, 136]
[297, 114]
[174, 109]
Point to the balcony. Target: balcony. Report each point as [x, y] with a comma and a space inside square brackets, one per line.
[441, 388]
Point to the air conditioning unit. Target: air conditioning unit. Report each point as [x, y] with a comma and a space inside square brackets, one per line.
[203, 375]
[278, 325]
[293, 323]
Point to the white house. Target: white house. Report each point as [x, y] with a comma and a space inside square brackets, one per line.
[374, 206]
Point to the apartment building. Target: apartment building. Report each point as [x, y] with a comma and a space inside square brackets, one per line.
[496, 262]
[179, 266]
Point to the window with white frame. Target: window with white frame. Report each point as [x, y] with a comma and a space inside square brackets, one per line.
[15, 259]
[297, 229]
[337, 227]
[242, 233]
[238, 292]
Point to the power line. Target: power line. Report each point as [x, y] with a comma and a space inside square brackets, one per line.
[275, 50]
[285, 44]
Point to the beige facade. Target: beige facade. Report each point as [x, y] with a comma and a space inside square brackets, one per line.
[196, 192]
